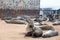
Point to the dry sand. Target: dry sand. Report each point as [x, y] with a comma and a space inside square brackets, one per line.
[16, 32]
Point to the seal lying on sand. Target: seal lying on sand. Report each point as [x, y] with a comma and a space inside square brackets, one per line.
[15, 21]
[50, 33]
[38, 20]
[57, 22]
[46, 27]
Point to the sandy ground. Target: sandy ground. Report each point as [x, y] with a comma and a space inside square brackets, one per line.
[16, 32]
